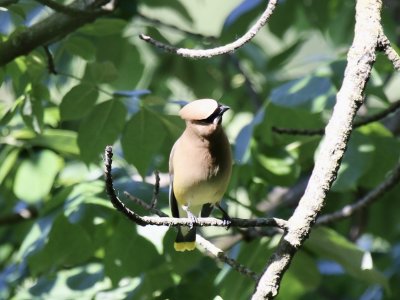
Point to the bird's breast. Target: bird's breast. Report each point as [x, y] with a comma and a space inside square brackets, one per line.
[201, 173]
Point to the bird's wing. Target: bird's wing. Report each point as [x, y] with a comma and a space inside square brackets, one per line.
[173, 204]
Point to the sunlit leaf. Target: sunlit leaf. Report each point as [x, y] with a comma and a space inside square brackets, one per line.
[36, 174]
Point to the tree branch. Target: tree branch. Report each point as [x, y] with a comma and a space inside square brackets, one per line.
[368, 199]
[22, 215]
[384, 46]
[360, 59]
[218, 253]
[47, 31]
[166, 221]
[362, 122]
[208, 246]
[176, 28]
[207, 53]
[68, 10]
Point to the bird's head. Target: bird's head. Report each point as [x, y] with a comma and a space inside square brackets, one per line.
[203, 116]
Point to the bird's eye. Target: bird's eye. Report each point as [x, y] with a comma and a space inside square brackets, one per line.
[211, 118]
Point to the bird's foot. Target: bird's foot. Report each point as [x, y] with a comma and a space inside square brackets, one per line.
[226, 219]
[192, 217]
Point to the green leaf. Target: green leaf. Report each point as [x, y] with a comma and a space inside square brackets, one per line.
[285, 117]
[101, 72]
[33, 113]
[8, 157]
[35, 175]
[356, 161]
[385, 155]
[252, 254]
[11, 111]
[80, 46]
[62, 141]
[203, 275]
[302, 277]
[100, 128]
[78, 102]
[128, 254]
[281, 58]
[276, 165]
[175, 6]
[143, 136]
[103, 27]
[329, 244]
[312, 93]
[68, 244]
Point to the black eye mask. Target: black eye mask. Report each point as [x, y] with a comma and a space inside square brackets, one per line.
[216, 116]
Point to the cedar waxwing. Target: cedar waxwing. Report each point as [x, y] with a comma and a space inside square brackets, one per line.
[200, 166]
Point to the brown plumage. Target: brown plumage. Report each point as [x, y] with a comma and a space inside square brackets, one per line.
[200, 166]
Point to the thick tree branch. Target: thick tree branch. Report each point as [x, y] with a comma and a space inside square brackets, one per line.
[362, 122]
[68, 10]
[166, 221]
[360, 59]
[46, 31]
[207, 53]
[392, 180]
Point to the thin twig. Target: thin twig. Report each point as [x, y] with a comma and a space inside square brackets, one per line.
[88, 82]
[156, 190]
[166, 221]
[50, 61]
[22, 215]
[218, 253]
[362, 122]
[207, 53]
[207, 245]
[176, 28]
[393, 56]
[145, 205]
[392, 180]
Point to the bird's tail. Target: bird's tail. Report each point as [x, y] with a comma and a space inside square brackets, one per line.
[186, 239]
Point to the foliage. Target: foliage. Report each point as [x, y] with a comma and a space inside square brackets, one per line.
[111, 88]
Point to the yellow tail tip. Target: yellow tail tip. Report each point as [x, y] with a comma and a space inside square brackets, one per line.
[184, 246]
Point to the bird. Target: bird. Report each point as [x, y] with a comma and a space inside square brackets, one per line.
[200, 167]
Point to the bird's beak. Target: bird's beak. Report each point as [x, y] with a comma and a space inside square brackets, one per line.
[223, 109]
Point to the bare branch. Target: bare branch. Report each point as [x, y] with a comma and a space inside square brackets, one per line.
[393, 56]
[6, 3]
[362, 122]
[166, 221]
[218, 253]
[50, 61]
[156, 190]
[360, 59]
[207, 53]
[176, 28]
[22, 215]
[68, 10]
[207, 245]
[371, 197]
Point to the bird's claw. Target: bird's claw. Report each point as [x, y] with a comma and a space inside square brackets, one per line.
[192, 217]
